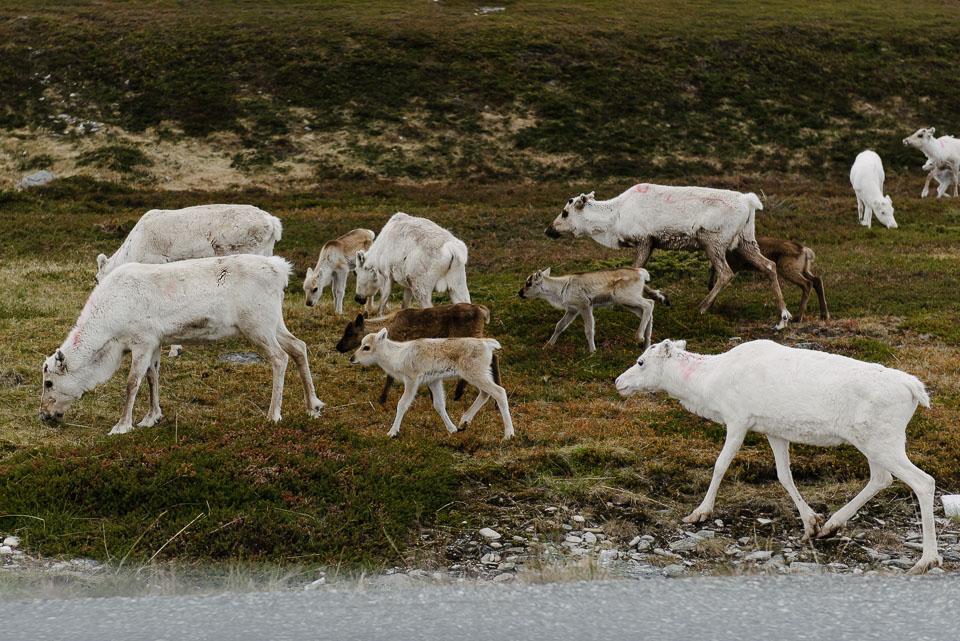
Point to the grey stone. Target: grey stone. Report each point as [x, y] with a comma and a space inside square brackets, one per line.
[903, 564]
[799, 567]
[686, 544]
[6, 549]
[634, 541]
[489, 534]
[37, 179]
[935, 571]
[503, 578]
[759, 555]
[876, 556]
[12, 541]
[673, 571]
[643, 545]
[705, 534]
[589, 537]
[316, 585]
[573, 539]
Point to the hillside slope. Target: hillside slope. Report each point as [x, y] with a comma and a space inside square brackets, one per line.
[209, 94]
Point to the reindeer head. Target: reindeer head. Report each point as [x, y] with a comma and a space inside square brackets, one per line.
[315, 282]
[368, 279]
[568, 222]
[534, 285]
[646, 375]
[351, 335]
[919, 138]
[883, 210]
[367, 354]
[60, 389]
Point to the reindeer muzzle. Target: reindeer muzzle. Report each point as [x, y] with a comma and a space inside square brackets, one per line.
[360, 300]
[551, 232]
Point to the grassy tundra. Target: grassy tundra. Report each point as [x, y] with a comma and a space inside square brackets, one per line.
[776, 101]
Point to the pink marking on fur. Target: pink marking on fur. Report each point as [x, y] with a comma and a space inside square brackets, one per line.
[689, 365]
[91, 304]
[712, 200]
[642, 189]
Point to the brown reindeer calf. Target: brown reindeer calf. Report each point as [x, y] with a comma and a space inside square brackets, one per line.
[459, 320]
[793, 263]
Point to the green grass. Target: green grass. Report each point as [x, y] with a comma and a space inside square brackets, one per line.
[336, 490]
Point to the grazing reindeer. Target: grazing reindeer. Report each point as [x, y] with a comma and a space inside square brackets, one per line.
[794, 262]
[579, 294]
[337, 259]
[459, 320]
[168, 235]
[428, 361]
[418, 254]
[137, 307]
[866, 178]
[797, 395]
[649, 217]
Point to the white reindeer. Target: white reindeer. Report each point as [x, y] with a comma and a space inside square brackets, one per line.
[579, 294]
[656, 216]
[337, 259]
[797, 395]
[944, 150]
[943, 175]
[866, 177]
[429, 361]
[418, 254]
[138, 307]
[164, 236]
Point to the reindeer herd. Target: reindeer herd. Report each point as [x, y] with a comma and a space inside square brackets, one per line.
[207, 273]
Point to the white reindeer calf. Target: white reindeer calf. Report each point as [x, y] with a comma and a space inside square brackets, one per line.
[944, 150]
[429, 361]
[803, 396]
[337, 259]
[943, 175]
[579, 294]
[137, 307]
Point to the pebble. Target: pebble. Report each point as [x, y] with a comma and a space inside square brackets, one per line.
[316, 585]
[800, 567]
[662, 552]
[503, 578]
[6, 549]
[573, 539]
[763, 521]
[876, 556]
[673, 571]
[495, 545]
[688, 543]
[643, 545]
[718, 522]
[705, 534]
[759, 555]
[578, 519]
[913, 545]
[506, 567]
[647, 537]
[634, 541]
[489, 534]
[743, 540]
[935, 571]
[12, 541]
[490, 558]
[589, 537]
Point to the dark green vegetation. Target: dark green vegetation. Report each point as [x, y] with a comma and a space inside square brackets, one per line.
[336, 490]
[426, 90]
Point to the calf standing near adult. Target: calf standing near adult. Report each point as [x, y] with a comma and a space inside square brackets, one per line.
[337, 259]
[459, 320]
[428, 361]
[690, 218]
[138, 307]
[579, 294]
[418, 254]
[802, 396]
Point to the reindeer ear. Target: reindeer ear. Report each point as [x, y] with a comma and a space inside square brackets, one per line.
[581, 201]
[546, 272]
[101, 260]
[590, 195]
[58, 358]
[309, 273]
[932, 130]
[358, 322]
[361, 256]
[382, 334]
[680, 345]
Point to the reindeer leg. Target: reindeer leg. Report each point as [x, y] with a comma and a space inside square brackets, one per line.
[751, 252]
